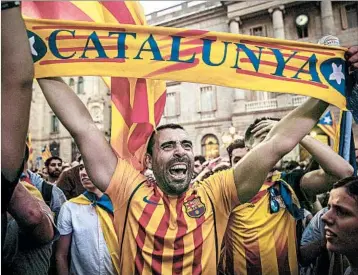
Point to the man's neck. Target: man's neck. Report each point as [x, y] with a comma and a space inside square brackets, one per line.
[97, 192]
[52, 180]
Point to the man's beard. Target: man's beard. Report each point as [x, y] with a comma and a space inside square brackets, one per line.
[54, 174]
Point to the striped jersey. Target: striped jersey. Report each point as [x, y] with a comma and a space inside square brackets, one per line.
[258, 241]
[162, 234]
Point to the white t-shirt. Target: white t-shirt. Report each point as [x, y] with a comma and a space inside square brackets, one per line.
[89, 252]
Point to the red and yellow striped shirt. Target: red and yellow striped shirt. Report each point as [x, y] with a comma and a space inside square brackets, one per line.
[258, 242]
[161, 234]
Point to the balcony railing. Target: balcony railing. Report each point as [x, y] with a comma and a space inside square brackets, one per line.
[298, 100]
[261, 105]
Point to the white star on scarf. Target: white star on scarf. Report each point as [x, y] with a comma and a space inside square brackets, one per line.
[337, 74]
[32, 42]
[327, 120]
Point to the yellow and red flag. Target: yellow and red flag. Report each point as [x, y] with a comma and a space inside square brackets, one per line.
[137, 104]
[45, 153]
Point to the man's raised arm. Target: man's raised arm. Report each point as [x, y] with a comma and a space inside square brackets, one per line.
[98, 156]
[251, 172]
[17, 74]
[334, 168]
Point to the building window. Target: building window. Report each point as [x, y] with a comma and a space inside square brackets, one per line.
[207, 99]
[55, 124]
[210, 146]
[302, 32]
[258, 31]
[71, 83]
[352, 15]
[74, 151]
[55, 149]
[172, 104]
[80, 85]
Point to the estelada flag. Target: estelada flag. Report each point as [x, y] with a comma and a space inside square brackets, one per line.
[45, 153]
[328, 124]
[137, 104]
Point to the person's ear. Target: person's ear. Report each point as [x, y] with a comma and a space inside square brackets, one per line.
[148, 161]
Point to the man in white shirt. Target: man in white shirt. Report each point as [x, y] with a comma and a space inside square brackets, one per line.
[81, 233]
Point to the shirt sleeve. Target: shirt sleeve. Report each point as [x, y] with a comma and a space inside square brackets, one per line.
[64, 221]
[222, 190]
[58, 199]
[124, 180]
[313, 231]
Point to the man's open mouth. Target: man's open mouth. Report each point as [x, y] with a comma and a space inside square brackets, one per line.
[178, 170]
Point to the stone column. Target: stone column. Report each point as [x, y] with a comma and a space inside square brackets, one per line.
[327, 18]
[239, 94]
[277, 21]
[234, 25]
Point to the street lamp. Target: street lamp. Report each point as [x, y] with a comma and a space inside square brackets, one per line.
[228, 137]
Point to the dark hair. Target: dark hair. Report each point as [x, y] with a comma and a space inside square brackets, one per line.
[27, 153]
[48, 161]
[351, 185]
[162, 127]
[237, 143]
[249, 137]
[70, 182]
[200, 158]
[79, 157]
[291, 165]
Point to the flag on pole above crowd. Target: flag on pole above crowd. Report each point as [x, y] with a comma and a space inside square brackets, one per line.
[328, 124]
[45, 153]
[137, 104]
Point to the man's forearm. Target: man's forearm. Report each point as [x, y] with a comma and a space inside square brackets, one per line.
[293, 127]
[331, 162]
[32, 215]
[62, 264]
[67, 106]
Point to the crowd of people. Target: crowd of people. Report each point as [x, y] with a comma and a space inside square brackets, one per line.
[248, 213]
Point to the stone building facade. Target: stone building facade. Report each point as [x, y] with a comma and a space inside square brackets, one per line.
[212, 114]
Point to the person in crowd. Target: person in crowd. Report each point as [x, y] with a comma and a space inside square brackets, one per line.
[152, 219]
[341, 222]
[270, 216]
[54, 168]
[236, 151]
[310, 182]
[88, 240]
[17, 72]
[70, 183]
[198, 164]
[23, 254]
[314, 256]
[51, 194]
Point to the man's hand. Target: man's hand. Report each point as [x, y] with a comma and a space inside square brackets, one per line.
[352, 58]
[263, 127]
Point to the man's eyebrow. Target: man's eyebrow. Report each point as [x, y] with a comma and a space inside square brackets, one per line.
[168, 143]
[339, 206]
[187, 141]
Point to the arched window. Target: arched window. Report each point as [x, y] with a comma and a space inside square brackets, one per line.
[80, 85]
[55, 149]
[210, 146]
